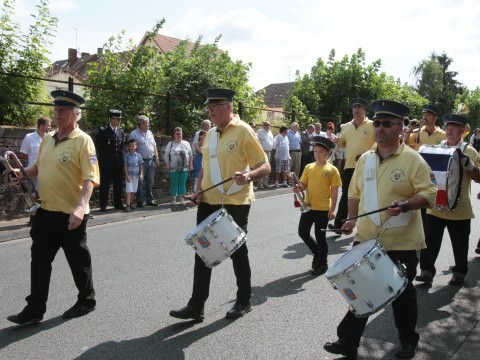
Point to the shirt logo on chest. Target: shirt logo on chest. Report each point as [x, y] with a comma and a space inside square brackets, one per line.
[65, 158]
[232, 146]
[397, 176]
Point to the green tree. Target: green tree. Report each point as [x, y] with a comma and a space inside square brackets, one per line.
[183, 74]
[435, 82]
[471, 98]
[327, 90]
[23, 54]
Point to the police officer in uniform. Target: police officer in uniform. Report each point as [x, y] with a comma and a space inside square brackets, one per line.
[109, 144]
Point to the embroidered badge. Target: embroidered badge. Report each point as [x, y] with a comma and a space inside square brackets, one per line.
[397, 175]
[232, 146]
[93, 159]
[65, 158]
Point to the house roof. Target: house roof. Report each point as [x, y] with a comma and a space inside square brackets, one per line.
[77, 69]
[163, 43]
[276, 93]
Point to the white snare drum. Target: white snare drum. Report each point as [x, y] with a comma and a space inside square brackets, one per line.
[216, 238]
[367, 278]
[448, 172]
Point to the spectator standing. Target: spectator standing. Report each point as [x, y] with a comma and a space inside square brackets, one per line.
[109, 143]
[282, 156]
[307, 147]
[265, 137]
[475, 139]
[206, 125]
[147, 148]
[133, 171]
[295, 143]
[178, 161]
[318, 130]
[197, 158]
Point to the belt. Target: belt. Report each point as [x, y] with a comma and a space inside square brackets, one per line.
[295, 150]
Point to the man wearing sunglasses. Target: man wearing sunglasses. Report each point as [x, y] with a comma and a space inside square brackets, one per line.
[356, 137]
[390, 174]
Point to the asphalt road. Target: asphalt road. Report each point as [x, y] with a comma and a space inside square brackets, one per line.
[143, 269]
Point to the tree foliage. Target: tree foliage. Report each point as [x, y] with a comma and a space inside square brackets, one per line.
[327, 90]
[435, 82]
[23, 53]
[183, 74]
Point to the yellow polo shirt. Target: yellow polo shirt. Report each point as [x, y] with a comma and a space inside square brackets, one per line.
[434, 138]
[463, 210]
[237, 147]
[356, 141]
[399, 177]
[62, 169]
[319, 180]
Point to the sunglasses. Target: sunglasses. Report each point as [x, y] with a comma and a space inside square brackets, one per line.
[386, 124]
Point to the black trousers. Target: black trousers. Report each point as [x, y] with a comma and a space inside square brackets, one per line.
[49, 233]
[459, 231]
[111, 173]
[318, 247]
[342, 211]
[241, 265]
[405, 308]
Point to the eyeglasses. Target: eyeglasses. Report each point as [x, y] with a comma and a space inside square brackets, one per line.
[386, 124]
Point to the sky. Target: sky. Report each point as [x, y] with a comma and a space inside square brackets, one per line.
[282, 37]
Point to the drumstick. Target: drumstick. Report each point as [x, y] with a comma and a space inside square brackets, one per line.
[214, 186]
[326, 230]
[367, 213]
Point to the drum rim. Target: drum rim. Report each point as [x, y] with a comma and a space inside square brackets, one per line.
[354, 265]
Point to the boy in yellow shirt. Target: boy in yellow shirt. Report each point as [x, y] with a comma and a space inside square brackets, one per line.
[321, 181]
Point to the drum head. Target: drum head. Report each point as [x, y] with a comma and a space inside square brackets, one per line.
[211, 218]
[350, 258]
[454, 179]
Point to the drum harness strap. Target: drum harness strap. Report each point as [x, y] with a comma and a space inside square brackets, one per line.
[461, 146]
[215, 173]
[371, 201]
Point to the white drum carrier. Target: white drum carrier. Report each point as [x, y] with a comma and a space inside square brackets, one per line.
[367, 278]
[216, 238]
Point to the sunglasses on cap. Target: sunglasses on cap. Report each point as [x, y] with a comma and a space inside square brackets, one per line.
[386, 124]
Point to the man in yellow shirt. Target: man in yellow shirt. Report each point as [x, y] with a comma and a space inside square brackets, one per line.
[356, 137]
[238, 152]
[391, 174]
[430, 133]
[458, 220]
[67, 171]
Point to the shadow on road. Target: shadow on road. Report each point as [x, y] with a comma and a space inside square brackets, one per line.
[16, 333]
[335, 246]
[163, 344]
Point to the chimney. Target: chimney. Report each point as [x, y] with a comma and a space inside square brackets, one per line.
[99, 51]
[84, 55]
[72, 56]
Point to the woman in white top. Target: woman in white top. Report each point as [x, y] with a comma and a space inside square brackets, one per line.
[178, 161]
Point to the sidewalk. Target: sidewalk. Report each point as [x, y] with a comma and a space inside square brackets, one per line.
[19, 228]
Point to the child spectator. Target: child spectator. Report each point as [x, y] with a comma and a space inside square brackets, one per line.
[197, 159]
[321, 181]
[133, 171]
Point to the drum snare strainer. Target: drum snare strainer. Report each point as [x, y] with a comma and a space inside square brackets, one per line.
[216, 238]
[367, 278]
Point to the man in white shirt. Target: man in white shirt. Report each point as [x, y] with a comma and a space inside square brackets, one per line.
[265, 137]
[282, 156]
[295, 142]
[206, 124]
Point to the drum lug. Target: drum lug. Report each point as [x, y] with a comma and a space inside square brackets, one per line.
[390, 289]
[350, 279]
[372, 265]
[210, 227]
[369, 304]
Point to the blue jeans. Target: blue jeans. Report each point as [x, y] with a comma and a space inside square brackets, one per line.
[148, 180]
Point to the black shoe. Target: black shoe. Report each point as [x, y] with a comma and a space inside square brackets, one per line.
[338, 347]
[152, 203]
[406, 351]
[189, 312]
[425, 277]
[238, 310]
[457, 279]
[120, 207]
[320, 270]
[78, 310]
[140, 205]
[330, 226]
[25, 317]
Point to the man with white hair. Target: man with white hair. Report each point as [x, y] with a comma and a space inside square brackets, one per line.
[67, 171]
[295, 150]
[147, 148]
